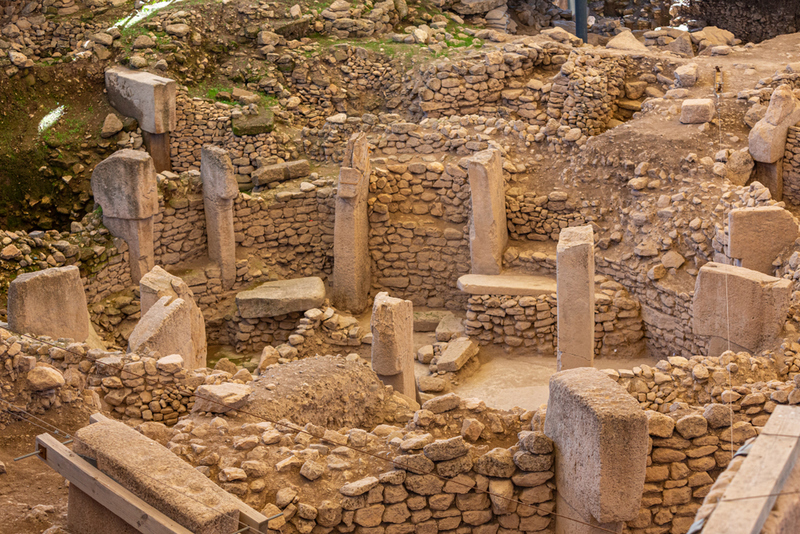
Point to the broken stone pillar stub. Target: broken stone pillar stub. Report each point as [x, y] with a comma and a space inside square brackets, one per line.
[50, 302]
[575, 291]
[488, 232]
[393, 343]
[601, 441]
[124, 185]
[351, 258]
[220, 189]
[158, 284]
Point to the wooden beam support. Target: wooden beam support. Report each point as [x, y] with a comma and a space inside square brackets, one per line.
[104, 489]
[749, 498]
[247, 515]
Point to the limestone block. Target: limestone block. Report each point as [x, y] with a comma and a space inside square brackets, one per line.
[739, 167]
[41, 378]
[488, 233]
[221, 398]
[392, 334]
[393, 343]
[506, 284]
[697, 110]
[138, 234]
[686, 75]
[747, 229]
[157, 284]
[271, 299]
[148, 98]
[626, 41]
[124, 184]
[458, 352]
[767, 139]
[169, 484]
[217, 174]
[167, 328]
[757, 304]
[601, 441]
[50, 303]
[352, 262]
[575, 290]
[220, 189]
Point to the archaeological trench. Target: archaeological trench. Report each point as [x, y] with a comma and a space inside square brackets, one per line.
[399, 267]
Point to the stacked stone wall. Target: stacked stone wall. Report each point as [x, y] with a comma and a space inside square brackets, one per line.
[532, 322]
[791, 166]
[418, 239]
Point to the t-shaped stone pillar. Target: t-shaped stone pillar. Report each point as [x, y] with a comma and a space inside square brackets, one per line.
[351, 259]
[150, 99]
[393, 343]
[600, 436]
[757, 235]
[575, 292]
[219, 191]
[124, 184]
[488, 231]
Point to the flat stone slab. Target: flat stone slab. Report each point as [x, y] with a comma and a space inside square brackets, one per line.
[427, 321]
[169, 484]
[449, 327]
[264, 122]
[271, 299]
[458, 352]
[507, 284]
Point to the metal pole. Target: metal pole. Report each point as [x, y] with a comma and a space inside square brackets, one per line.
[581, 18]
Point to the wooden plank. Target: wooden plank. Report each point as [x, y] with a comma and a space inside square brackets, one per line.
[763, 473]
[104, 489]
[247, 515]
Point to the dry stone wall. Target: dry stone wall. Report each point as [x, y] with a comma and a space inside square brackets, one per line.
[43, 373]
[531, 321]
[791, 166]
[418, 241]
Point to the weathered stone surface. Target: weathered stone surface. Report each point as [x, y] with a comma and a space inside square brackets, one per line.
[263, 122]
[271, 299]
[575, 289]
[220, 189]
[393, 343]
[148, 98]
[600, 436]
[49, 302]
[767, 139]
[168, 484]
[626, 41]
[124, 184]
[42, 377]
[760, 303]
[457, 354]
[697, 110]
[747, 229]
[506, 284]
[351, 266]
[221, 398]
[167, 327]
[488, 233]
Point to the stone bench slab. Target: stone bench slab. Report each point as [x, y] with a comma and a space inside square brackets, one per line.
[507, 284]
[271, 299]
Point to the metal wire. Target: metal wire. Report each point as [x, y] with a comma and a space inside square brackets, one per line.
[355, 449]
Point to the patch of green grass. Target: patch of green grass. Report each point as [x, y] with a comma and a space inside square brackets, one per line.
[211, 92]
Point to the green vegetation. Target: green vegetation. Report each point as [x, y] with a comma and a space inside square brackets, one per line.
[210, 91]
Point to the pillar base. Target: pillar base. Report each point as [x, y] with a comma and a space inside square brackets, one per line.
[138, 234]
[771, 176]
